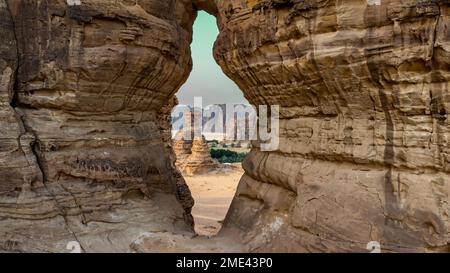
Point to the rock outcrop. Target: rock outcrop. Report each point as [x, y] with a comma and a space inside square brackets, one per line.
[17, 162]
[193, 157]
[85, 152]
[182, 149]
[364, 140]
[200, 160]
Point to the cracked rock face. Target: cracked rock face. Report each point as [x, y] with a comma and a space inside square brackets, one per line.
[84, 151]
[363, 152]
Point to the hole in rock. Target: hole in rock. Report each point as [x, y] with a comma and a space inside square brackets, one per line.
[209, 161]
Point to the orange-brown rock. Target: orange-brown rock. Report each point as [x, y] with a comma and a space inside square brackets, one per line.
[200, 160]
[182, 149]
[364, 127]
[84, 153]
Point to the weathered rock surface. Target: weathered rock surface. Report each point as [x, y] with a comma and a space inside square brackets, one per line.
[182, 149]
[16, 158]
[85, 152]
[193, 157]
[363, 152]
[200, 160]
[182, 141]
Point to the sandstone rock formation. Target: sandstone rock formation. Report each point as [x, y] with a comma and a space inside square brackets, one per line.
[85, 153]
[190, 146]
[182, 141]
[200, 160]
[364, 140]
[193, 157]
[182, 149]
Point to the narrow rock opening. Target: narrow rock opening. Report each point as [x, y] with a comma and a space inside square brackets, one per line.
[209, 162]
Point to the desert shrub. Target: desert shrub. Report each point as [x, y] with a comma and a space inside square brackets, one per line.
[227, 156]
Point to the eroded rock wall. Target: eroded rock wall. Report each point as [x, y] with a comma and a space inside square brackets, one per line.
[363, 89]
[17, 162]
[85, 142]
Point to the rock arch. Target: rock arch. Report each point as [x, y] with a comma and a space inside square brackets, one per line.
[85, 154]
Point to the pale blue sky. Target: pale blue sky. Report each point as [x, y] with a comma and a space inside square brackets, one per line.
[207, 79]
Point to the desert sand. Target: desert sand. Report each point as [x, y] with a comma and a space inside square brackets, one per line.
[213, 193]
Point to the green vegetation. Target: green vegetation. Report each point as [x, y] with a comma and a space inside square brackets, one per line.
[227, 156]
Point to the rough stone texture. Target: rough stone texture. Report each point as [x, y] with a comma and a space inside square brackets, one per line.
[200, 160]
[364, 143]
[16, 159]
[182, 149]
[182, 141]
[193, 157]
[85, 152]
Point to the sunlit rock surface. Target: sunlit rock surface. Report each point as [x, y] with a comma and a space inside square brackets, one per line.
[85, 148]
[363, 152]
[200, 160]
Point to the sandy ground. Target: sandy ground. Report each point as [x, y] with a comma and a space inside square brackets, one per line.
[213, 194]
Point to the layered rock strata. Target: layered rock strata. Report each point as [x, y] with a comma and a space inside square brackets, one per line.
[364, 130]
[182, 149]
[193, 157]
[85, 150]
[200, 160]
